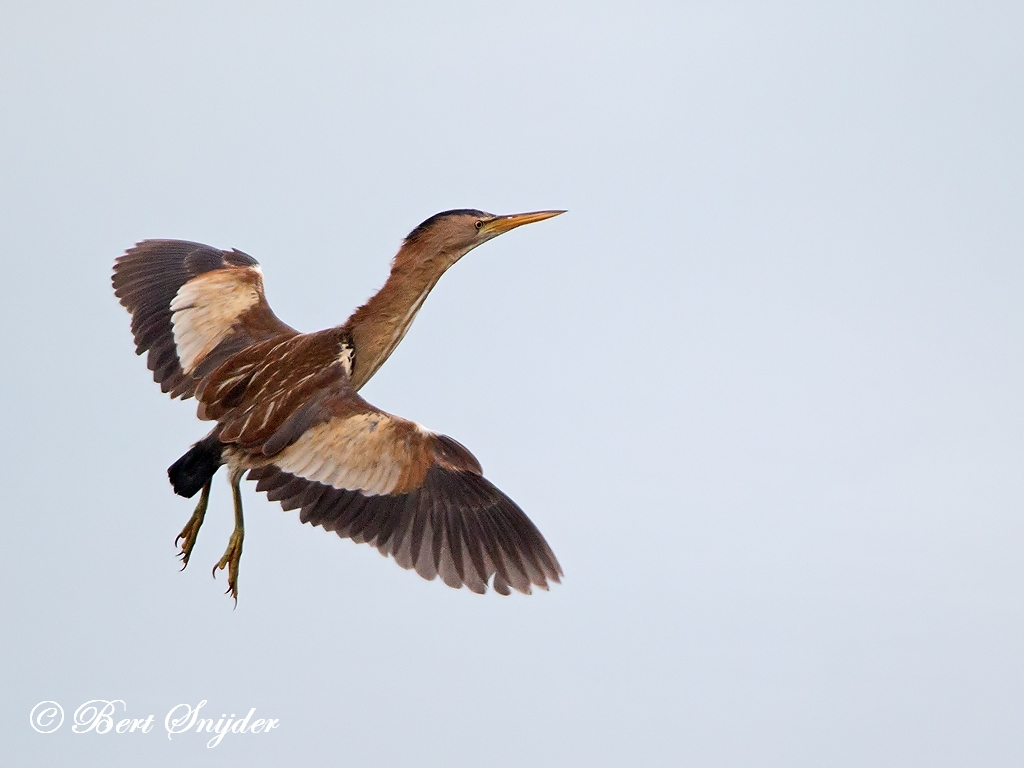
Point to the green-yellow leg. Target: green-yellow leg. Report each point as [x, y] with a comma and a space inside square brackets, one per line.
[191, 530]
[233, 554]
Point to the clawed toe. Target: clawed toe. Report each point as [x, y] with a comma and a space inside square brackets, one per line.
[232, 557]
[190, 532]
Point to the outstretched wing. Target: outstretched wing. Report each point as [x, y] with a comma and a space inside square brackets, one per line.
[192, 307]
[413, 494]
[288, 412]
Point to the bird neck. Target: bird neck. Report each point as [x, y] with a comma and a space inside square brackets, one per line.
[379, 325]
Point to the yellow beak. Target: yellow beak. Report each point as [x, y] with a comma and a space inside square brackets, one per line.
[501, 224]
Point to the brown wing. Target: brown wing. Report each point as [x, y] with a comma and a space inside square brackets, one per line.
[288, 412]
[192, 307]
[454, 524]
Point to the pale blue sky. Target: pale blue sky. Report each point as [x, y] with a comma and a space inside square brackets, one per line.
[760, 388]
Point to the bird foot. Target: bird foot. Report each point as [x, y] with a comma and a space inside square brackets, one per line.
[230, 560]
[190, 532]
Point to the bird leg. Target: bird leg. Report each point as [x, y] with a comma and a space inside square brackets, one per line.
[233, 554]
[191, 530]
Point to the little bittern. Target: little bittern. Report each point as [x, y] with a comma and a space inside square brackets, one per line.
[287, 410]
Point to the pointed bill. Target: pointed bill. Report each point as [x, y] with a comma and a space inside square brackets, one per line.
[501, 224]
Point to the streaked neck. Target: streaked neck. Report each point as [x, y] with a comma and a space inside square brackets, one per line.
[380, 324]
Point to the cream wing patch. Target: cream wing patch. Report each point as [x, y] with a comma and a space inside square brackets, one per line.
[374, 453]
[206, 308]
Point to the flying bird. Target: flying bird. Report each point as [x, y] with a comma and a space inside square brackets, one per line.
[288, 414]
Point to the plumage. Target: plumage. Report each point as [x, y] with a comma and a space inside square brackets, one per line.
[287, 412]
[153, 275]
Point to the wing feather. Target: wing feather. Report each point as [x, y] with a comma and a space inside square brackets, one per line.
[456, 525]
[192, 307]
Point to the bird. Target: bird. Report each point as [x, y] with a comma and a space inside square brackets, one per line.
[288, 414]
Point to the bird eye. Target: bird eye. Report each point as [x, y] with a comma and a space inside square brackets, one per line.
[479, 223]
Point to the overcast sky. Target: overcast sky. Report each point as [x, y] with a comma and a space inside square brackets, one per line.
[760, 388]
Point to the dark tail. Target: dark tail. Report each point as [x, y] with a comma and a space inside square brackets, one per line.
[193, 470]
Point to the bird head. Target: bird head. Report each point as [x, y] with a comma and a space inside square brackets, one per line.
[446, 237]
